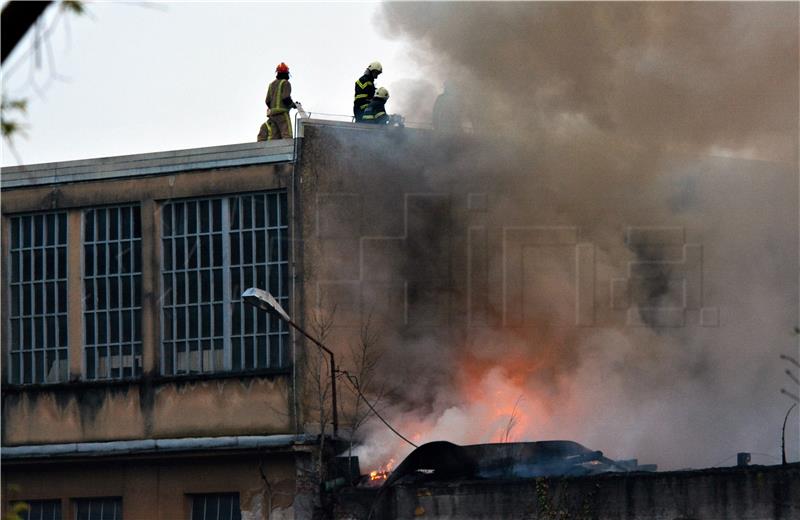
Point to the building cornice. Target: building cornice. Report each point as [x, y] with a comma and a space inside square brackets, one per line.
[158, 163]
[53, 452]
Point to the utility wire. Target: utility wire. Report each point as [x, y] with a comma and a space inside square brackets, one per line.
[354, 382]
[790, 360]
[790, 395]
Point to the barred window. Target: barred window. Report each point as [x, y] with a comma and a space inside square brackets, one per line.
[213, 249]
[106, 508]
[112, 292]
[38, 256]
[41, 510]
[219, 506]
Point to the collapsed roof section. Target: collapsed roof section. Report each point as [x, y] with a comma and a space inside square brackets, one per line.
[443, 460]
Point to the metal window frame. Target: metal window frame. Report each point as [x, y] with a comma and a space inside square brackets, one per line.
[136, 278]
[29, 514]
[196, 271]
[116, 501]
[278, 230]
[278, 227]
[194, 497]
[33, 284]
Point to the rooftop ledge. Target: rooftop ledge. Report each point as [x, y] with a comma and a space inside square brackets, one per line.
[162, 163]
[158, 163]
[148, 446]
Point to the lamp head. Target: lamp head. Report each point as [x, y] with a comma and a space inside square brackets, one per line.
[266, 302]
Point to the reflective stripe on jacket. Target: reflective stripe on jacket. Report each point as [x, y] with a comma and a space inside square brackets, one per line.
[278, 90]
[365, 90]
[375, 112]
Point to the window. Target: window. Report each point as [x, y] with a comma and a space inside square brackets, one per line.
[107, 508]
[213, 249]
[220, 506]
[41, 510]
[112, 293]
[38, 255]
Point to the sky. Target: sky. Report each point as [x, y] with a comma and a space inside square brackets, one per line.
[131, 78]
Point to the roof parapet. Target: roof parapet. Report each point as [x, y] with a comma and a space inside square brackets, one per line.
[158, 163]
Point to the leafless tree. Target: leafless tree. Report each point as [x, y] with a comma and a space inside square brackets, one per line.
[364, 383]
[512, 421]
[318, 377]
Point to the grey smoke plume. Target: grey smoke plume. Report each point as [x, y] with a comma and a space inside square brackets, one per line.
[607, 117]
[704, 76]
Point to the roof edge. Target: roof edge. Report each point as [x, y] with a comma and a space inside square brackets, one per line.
[156, 163]
[154, 446]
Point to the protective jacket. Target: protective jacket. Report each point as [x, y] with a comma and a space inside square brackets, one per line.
[365, 91]
[376, 112]
[279, 97]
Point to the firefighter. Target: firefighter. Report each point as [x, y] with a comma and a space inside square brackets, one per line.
[376, 111]
[365, 89]
[279, 102]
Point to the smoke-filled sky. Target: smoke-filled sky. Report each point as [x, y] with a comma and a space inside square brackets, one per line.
[607, 117]
[708, 77]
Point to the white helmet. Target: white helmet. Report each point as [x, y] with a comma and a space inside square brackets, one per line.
[382, 93]
[375, 66]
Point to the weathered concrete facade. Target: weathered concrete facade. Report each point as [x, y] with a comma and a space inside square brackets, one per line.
[160, 486]
[150, 406]
[175, 409]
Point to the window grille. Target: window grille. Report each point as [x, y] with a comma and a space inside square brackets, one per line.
[220, 506]
[108, 508]
[112, 292]
[213, 249]
[38, 256]
[41, 510]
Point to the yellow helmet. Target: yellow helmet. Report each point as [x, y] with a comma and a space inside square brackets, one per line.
[375, 66]
[382, 93]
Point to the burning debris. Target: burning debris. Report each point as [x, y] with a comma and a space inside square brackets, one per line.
[445, 461]
[378, 476]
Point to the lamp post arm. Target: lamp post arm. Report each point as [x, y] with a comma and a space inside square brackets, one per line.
[310, 337]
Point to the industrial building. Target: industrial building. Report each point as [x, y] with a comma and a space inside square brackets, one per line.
[138, 384]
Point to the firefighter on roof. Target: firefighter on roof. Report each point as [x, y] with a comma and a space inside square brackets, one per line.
[279, 102]
[376, 110]
[365, 89]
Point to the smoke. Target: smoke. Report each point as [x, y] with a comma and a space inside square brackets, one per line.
[694, 75]
[593, 122]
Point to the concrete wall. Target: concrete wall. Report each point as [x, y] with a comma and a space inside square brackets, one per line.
[152, 406]
[764, 493]
[245, 405]
[159, 488]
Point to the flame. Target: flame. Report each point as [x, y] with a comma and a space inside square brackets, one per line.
[377, 476]
[499, 397]
[502, 396]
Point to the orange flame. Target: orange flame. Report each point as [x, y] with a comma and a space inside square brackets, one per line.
[377, 476]
[502, 396]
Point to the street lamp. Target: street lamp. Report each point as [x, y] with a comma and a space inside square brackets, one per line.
[264, 301]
